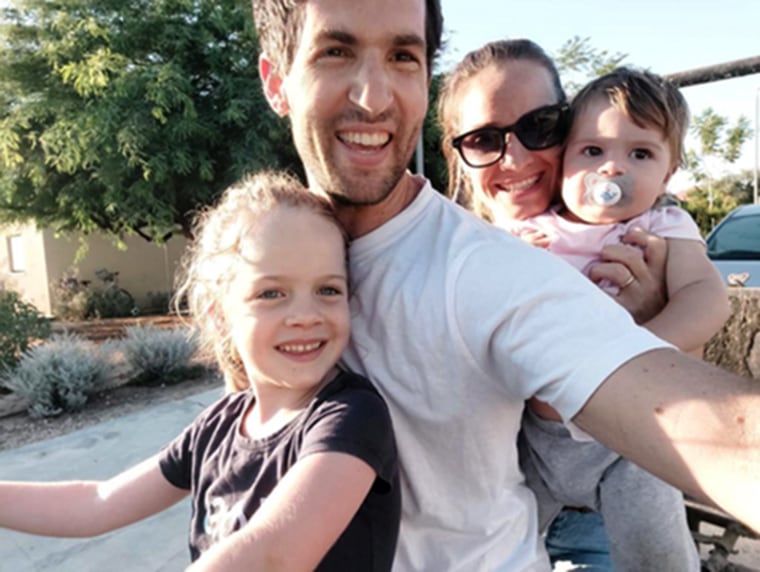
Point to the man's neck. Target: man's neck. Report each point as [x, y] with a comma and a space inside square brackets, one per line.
[361, 220]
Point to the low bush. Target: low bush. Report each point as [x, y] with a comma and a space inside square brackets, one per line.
[20, 325]
[70, 298]
[160, 356]
[58, 375]
[75, 299]
[156, 303]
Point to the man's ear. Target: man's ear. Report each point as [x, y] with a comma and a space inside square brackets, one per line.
[274, 90]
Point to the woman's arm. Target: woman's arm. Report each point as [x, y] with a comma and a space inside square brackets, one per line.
[697, 304]
[299, 522]
[86, 508]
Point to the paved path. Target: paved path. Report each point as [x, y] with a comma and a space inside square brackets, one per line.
[97, 452]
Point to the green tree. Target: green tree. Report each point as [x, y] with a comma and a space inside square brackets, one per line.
[708, 206]
[127, 116]
[719, 143]
[434, 163]
[578, 62]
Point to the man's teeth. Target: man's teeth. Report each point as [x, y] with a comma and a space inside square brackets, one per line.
[520, 185]
[366, 139]
[300, 348]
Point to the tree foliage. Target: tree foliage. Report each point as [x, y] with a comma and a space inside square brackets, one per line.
[578, 62]
[717, 137]
[719, 143]
[709, 205]
[128, 116]
[434, 163]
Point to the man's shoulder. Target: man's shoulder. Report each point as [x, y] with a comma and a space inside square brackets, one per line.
[467, 224]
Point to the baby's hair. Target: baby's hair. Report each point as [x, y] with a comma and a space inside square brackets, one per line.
[647, 99]
[210, 261]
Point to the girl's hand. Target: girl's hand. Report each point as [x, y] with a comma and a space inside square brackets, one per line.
[637, 267]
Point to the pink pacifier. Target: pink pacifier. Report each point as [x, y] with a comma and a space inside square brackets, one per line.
[604, 192]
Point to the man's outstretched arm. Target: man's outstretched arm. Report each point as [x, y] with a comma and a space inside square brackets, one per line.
[690, 423]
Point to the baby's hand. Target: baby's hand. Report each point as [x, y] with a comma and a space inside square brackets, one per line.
[536, 238]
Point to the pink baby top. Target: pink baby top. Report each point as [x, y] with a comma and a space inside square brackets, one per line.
[580, 243]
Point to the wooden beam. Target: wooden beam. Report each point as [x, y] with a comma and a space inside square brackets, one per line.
[717, 72]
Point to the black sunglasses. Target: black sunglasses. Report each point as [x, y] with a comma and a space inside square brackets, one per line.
[538, 129]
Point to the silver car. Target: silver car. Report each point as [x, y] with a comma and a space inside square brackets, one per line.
[734, 246]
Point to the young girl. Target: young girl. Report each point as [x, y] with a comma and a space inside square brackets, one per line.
[296, 467]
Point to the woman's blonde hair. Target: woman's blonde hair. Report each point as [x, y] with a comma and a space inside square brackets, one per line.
[209, 263]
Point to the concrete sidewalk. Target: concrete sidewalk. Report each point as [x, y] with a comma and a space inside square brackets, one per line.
[98, 452]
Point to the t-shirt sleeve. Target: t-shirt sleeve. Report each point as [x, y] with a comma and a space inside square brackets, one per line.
[176, 460]
[538, 327]
[357, 423]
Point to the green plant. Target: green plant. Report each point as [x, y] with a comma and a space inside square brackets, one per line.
[70, 298]
[76, 299]
[110, 300]
[157, 302]
[160, 356]
[20, 324]
[58, 375]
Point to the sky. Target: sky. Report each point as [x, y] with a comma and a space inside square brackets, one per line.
[664, 36]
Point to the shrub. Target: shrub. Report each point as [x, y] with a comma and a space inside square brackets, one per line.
[70, 298]
[20, 324]
[160, 356]
[75, 299]
[58, 375]
[110, 302]
[158, 302]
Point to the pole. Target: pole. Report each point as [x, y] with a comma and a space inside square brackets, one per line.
[420, 156]
[757, 141]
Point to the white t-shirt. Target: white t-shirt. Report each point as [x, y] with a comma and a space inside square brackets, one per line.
[457, 322]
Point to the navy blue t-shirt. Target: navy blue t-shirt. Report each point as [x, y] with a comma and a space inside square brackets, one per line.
[230, 475]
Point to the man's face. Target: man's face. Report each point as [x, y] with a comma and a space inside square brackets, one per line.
[356, 94]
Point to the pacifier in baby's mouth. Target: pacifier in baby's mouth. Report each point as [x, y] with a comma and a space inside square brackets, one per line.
[604, 192]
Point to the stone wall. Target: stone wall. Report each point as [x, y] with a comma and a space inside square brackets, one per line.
[737, 346]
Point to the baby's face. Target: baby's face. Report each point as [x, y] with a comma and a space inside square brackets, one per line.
[605, 146]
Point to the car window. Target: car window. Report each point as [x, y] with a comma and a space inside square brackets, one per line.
[737, 237]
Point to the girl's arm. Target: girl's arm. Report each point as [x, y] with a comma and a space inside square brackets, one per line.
[86, 508]
[299, 522]
[697, 304]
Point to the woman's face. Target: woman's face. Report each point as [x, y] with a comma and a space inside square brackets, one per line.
[524, 182]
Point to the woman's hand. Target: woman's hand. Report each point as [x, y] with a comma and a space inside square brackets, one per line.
[637, 267]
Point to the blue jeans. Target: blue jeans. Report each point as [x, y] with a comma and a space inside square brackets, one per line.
[578, 540]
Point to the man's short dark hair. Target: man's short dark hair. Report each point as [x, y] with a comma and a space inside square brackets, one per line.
[279, 24]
